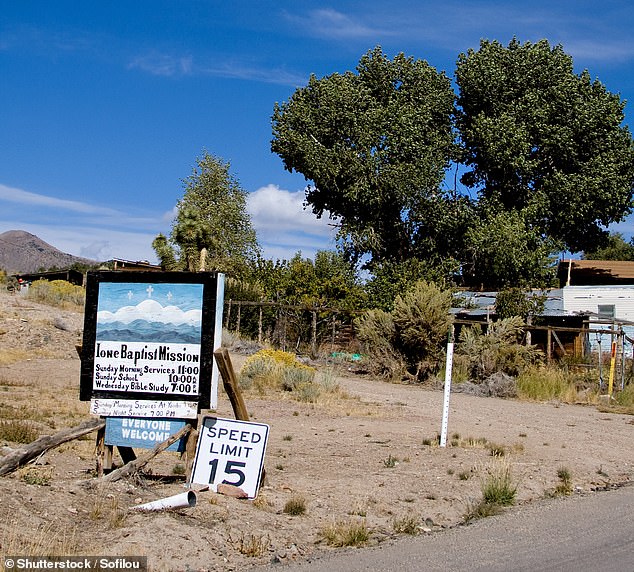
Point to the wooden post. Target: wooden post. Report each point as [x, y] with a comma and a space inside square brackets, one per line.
[100, 451]
[230, 383]
[313, 342]
[260, 327]
[549, 346]
[238, 324]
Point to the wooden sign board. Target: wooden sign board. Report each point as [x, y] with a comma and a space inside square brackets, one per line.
[144, 408]
[143, 433]
[148, 336]
[230, 452]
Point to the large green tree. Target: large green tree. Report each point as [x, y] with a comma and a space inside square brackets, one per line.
[374, 146]
[212, 229]
[548, 163]
[544, 141]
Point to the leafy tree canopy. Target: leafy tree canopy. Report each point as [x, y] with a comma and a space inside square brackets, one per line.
[328, 280]
[212, 228]
[502, 251]
[544, 141]
[545, 151]
[375, 143]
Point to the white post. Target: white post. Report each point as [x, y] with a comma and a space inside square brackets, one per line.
[220, 303]
[445, 407]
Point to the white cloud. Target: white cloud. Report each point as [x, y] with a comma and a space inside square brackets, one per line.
[272, 208]
[166, 65]
[15, 195]
[329, 23]
[284, 226]
[151, 311]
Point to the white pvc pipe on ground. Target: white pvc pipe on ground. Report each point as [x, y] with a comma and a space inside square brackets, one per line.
[182, 500]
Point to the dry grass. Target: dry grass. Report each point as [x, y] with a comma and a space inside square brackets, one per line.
[51, 540]
[346, 533]
[499, 489]
[542, 383]
[10, 355]
[18, 431]
[252, 545]
[408, 524]
[295, 506]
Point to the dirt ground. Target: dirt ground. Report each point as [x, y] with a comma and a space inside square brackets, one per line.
[363, 456]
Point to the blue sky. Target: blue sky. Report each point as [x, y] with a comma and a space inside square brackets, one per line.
[105, 106]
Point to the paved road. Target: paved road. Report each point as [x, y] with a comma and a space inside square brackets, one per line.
[579, 534]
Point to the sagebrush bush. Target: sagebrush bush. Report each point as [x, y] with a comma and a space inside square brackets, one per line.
[279, 370]
[376, 330]
[497, 349]
[409, 341]
[57, 293]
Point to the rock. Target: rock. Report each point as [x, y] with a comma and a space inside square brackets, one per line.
[231, 491]
[501, 385]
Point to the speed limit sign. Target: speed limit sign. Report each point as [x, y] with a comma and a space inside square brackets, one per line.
[230, 452]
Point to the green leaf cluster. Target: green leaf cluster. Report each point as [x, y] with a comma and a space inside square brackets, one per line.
[545, 160]
[212, 229]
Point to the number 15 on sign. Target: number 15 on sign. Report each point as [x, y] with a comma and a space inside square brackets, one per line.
[230, 452]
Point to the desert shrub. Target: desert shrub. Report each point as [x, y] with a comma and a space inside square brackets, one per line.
[625, 398]
[294, 377]
[498, 490]
[422, 320]
[408, 342]
[497, 349]
[564, 487]
[295, 506]
[376, 330]
[57, 293]
[279, 370]
[409, 524]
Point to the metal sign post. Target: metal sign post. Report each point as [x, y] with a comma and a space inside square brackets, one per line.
[445, 408]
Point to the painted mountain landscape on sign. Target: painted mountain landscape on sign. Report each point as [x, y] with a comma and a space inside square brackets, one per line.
[150, 321]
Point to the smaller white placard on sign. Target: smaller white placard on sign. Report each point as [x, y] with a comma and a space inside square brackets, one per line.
[144, 408]
[230, 452]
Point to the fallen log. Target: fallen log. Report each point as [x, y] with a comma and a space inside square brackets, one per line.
[22, 456]
[133, 466]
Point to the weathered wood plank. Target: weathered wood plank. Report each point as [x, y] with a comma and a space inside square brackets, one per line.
[22, 456]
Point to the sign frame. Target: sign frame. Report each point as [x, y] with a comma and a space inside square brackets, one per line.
[97, 281]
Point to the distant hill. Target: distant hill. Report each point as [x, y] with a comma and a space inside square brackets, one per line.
[22, 252]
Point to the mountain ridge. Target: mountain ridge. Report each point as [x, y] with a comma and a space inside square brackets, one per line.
[22, 252]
